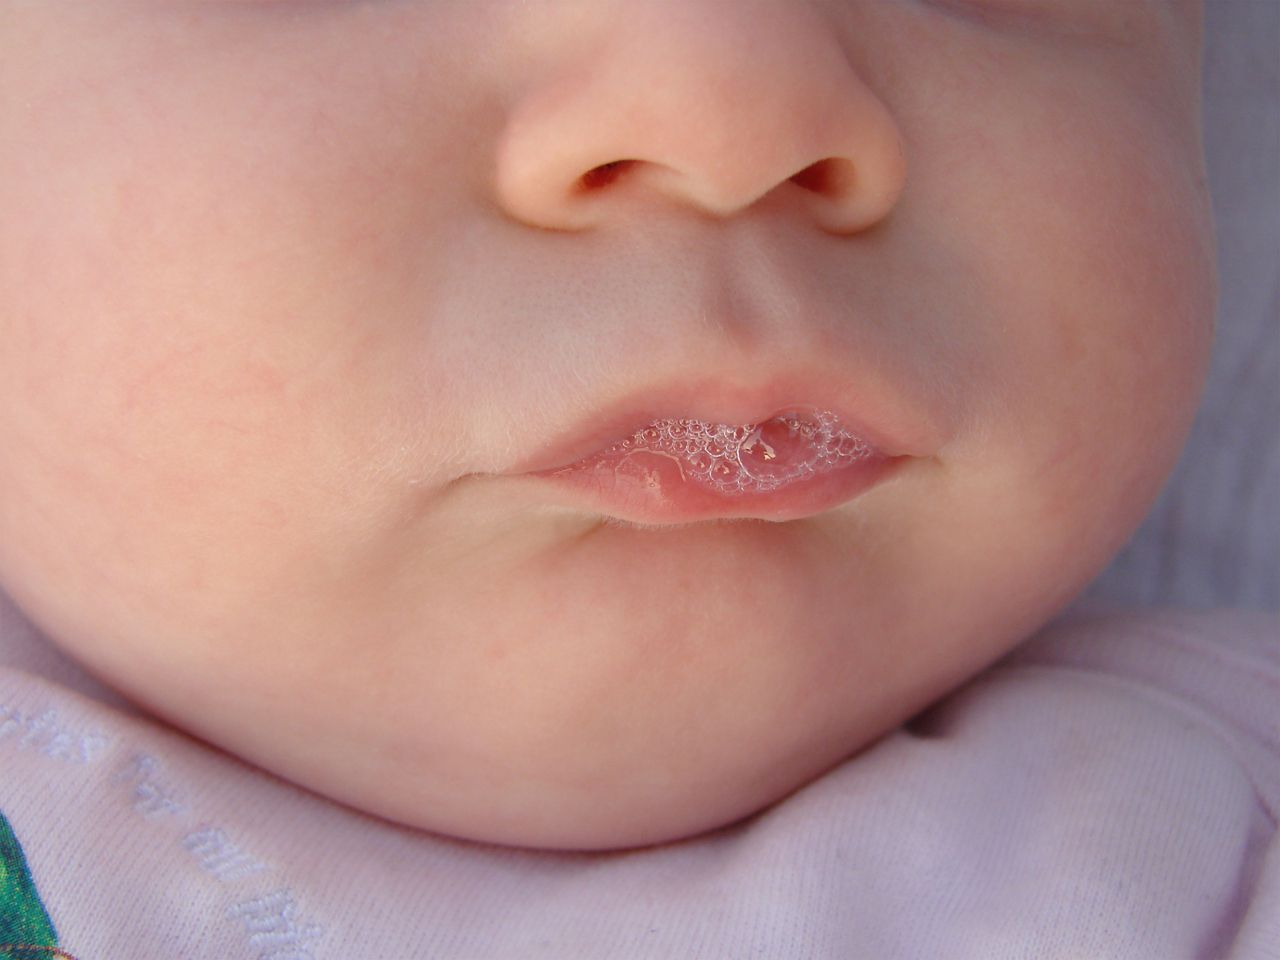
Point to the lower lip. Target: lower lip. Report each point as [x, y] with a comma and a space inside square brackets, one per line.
[653, 489]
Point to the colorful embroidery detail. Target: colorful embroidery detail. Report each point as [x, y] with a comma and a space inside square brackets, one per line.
[26, 932]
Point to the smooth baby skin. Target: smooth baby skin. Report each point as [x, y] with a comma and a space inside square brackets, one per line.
[288, 288]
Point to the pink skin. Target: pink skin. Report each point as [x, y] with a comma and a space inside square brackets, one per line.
[284, 285]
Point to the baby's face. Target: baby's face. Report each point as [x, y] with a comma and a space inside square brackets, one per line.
[291, 292]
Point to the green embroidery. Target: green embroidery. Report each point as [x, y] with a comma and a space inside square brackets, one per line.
[23, 919]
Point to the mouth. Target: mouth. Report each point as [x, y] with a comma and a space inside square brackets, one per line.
[801, 461]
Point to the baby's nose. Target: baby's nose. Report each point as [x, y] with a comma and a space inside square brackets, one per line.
[708, 103]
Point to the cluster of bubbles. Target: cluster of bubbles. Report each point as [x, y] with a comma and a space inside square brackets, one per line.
[751, 458]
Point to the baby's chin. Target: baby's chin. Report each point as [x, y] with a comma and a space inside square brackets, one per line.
[642, 808]
[616, 762]
[576, 797]
[618, 722]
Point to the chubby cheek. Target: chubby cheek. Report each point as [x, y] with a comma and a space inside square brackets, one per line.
[1096, 261]
[160, 458]
[113, 426]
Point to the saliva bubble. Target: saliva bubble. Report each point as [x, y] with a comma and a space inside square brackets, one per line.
[751, 458]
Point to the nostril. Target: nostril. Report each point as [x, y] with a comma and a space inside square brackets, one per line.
[605, 174]
[831, 177]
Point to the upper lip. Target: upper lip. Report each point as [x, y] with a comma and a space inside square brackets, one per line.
[863, 407]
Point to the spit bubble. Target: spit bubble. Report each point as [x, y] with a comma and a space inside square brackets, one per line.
[750, 458]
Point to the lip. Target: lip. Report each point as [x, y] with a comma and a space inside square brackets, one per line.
[597, 469]
[657, 493]
[860, 409]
